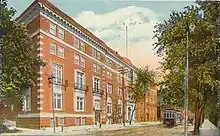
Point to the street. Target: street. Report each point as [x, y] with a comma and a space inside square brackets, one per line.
[139, 131]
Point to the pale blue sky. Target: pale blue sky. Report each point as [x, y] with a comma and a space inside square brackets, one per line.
[106, 19]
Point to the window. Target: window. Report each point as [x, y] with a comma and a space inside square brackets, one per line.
[82, 46]
[96, 68]
[76, 42]
[79, 80]
[61, 52]
[53, 48]
[96, 85]
[119, 91]
[52, 28]
[61, 121]
[109, 74]
[119, 108]
[26, 99]
[76, 59]
[83, 121]
[108, 62]
[97, 104]
[77, 121]
[57, 101]
[109, 107]
[83, 61]
[109, 88]
[80, 103]
[96, 54]
[60, 33]
[57, 73]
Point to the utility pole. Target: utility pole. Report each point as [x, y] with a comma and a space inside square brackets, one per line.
[126, 40]
[186, 81]
[50, 79]
[123, 71]
[51, 83]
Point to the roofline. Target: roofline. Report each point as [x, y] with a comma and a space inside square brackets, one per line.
[78, 26]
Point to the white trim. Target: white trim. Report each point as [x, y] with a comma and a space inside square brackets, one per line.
[40, 84]
[40, 55]
[39, 102]
[59, 25]
[40, 43]
[40, 90]
[39, 108]
[68, 45]
[70, 25]
[46, 114]
[35, 33]
[40, 96]
[40, 37]
[39, 49]
[40, 72]
[40, 78]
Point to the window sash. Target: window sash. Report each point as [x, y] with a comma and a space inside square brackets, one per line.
[60, 33]
[57, 101]
[53, 48]
[76, 42]
[57, 73]
[52, 28]
[83, 61]
[76, 59]
[80, 104]
[61, 52]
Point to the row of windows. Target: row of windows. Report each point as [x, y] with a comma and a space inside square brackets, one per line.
[80, 121]
[57, 31]
[54, 51]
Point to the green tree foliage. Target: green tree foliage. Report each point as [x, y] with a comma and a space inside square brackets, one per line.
[19, 58]
[144, 80]
[171, 46]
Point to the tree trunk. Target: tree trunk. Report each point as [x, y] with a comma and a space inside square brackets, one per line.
[132, 113]
[198, 114]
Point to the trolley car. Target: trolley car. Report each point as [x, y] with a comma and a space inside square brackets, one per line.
[172, 117]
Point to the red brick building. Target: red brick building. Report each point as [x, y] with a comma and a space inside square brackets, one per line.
[77, 57]
[73, 54]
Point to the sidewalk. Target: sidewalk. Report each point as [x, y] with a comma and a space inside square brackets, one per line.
[208, 129]
[79, 129]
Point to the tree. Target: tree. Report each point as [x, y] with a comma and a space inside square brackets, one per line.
[171, 46]
[145, 79]
[19, 58]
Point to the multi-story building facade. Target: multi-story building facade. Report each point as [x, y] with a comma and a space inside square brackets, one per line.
[147, 109]
[86, 86]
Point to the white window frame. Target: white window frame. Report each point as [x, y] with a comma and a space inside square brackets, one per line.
[27, 100]
[53, 28]
[119, 91]
[82, 46]
[96, 83]
[61, 121]
[97, 104]
[83, 61]
[53, 51]
[83, 121]
[79, 77]
[77, 121]
[109, 108]
[57, 73]
[61, 33]
[79, 102]
[61, 51]
[109, 85]
[76, 59]
[76, 42]
[56, 101]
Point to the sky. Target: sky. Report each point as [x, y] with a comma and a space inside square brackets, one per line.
[107, 20]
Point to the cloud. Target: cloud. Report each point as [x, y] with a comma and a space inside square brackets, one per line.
[110, 27]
